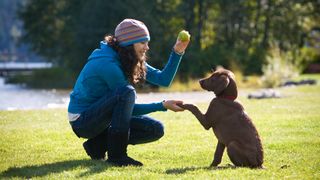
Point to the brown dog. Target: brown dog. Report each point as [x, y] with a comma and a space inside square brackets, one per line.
[231, 125]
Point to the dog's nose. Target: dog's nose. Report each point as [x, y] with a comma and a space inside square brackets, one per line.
[201, 82]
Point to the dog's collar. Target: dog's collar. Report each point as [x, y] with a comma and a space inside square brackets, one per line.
[232, 98]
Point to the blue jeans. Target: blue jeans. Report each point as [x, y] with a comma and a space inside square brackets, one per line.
[115, 110]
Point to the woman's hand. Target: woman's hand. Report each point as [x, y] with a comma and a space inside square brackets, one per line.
[180, 46]
[172, 105]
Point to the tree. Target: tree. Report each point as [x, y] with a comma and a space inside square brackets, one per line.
[224, 32]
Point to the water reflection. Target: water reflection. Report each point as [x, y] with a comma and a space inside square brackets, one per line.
[14, 97]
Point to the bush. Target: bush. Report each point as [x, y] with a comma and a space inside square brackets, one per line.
[278, 69]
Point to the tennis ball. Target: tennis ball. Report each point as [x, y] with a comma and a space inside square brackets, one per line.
[184, 35]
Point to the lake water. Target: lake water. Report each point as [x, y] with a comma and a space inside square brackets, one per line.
[13, 97]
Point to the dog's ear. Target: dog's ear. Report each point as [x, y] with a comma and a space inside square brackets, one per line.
[220, 83]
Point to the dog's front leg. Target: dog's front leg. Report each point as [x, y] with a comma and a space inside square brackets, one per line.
[218, 154]
[197, 113]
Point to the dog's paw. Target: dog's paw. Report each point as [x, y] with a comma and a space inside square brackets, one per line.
[182, 106]
[214, 164]
[189, 107]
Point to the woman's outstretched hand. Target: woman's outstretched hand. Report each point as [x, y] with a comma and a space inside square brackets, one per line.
[180, 46]
[173, 105]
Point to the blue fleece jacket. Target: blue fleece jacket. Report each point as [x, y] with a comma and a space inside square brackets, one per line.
[103, 73]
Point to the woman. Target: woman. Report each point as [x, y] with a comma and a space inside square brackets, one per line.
[102, 104]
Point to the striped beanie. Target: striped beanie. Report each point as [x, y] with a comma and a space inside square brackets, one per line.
[131, 31]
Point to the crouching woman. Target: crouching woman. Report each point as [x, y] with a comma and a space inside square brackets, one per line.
[102, 104]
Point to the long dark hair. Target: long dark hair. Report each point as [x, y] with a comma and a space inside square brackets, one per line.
[132, 65]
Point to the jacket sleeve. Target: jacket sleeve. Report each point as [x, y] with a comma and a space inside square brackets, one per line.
[165, 76]
[114, 77]
[141, 109]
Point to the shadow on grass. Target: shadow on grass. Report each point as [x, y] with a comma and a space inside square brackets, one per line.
[185, 169]
[57, 167]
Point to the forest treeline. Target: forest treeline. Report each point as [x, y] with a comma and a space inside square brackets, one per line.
[240, 34]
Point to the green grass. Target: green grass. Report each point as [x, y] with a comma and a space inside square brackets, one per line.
[40, 144]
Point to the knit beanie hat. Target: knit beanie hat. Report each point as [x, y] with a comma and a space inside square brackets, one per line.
[131, 31]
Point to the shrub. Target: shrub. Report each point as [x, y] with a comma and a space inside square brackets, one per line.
[279, 68]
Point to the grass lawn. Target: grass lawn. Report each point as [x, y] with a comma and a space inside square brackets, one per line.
[40, 144]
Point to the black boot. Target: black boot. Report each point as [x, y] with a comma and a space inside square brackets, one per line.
[117, 149]
[96, 147]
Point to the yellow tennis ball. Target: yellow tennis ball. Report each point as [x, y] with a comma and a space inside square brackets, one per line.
[184, 35]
